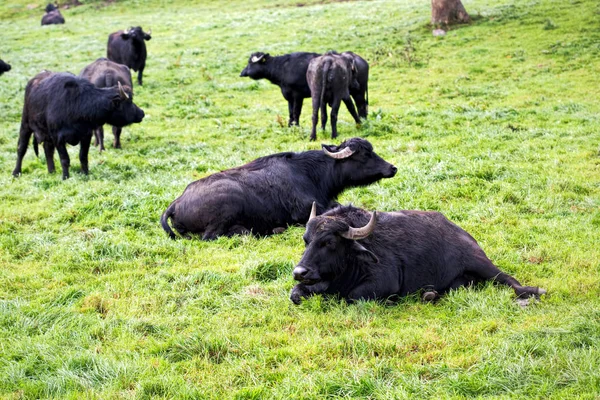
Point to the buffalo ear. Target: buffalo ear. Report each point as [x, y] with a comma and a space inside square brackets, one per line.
[363, 254]
[147, 36]
[70, 85]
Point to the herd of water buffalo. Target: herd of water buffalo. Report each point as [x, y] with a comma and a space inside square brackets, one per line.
[349, 252]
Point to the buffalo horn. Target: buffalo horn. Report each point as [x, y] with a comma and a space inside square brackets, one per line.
[257, 58]
[313, 211]
[361, 233]
[338, 155]
[150, 32]
[122, 92]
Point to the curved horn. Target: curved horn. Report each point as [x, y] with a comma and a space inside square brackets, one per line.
[313, 211]
[338, 155]
[256, 58]
[361, 233]
[149, 32]
[122, 92]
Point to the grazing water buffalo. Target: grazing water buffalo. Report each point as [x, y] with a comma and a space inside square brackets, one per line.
[105, 73]
[289, 73]
[272, 192]
[61, 108]
[330, 77]
[358, 255]
[4, 67]
[52, 16]
[129, 48]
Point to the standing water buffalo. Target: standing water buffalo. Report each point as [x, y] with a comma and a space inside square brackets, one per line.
[52, 16]
[289, 73]
[105, 73]
[272, 192]
[61, 108]
[330, 77]
[4, 67]
[390, 254]
[129, 48]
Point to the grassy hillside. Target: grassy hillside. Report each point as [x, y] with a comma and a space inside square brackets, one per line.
[496, 125]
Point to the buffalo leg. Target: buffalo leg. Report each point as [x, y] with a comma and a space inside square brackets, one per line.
[140, 72]
[291, 111]
[297, 108]
[65, 162]
[335, 108]
[99, 137]
[84, 148]
[488, 271]
[323, 115]
[49, 152]
[117, 135]
[24, 135]
[315, 117]
[301, 290]
[352, 109]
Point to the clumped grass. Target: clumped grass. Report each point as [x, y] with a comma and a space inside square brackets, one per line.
[495, 125]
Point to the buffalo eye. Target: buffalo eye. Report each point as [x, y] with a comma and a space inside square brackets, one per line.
[325, 243]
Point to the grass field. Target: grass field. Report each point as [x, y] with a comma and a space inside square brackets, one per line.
[496, 125]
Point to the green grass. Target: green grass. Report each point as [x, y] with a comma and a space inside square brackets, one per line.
[496, 125]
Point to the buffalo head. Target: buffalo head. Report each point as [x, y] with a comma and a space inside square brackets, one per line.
[256, 65]
[332, 246]
[358, 163]
[136, 34]
[124, 110]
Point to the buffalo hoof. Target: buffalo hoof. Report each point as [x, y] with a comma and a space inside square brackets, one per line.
[429, 296]
[16, 173]
[278, 230]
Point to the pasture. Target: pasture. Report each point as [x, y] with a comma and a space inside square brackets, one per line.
[497, 125]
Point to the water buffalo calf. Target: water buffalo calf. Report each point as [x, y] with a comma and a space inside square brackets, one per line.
[272, 192]
[105, 73]
[61, 108]
[129, 48]
[361, 256]
[52, 16]
[330, 77]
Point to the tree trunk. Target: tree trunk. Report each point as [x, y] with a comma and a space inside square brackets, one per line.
[448, 12]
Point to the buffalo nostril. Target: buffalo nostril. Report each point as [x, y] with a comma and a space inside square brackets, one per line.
[299, 273]
[394, 170]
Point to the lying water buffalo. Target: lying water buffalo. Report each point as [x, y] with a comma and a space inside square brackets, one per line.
[330, 77]
[105, 73]
[52, 16]
[395, 253]
[129, 48]
[4, 67]
[289, 73]
[272, 192]
[61, 108]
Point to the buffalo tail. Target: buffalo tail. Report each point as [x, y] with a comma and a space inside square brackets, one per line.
[164, 221]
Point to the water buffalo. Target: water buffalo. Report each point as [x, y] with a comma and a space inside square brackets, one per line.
[52, 16]
[4, 67]
[330, 77]
[361, 256]
[272, 192]
[129, 48]
[105, 73]
[61, 108]
[289, 73]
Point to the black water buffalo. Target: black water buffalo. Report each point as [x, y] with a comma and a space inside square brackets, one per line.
[272, 192]
[4, 67]
[129, 48]
[52, 16]
[105, 73]
[61, 108]
[358, 255]
[289, 73]
[330, 77]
